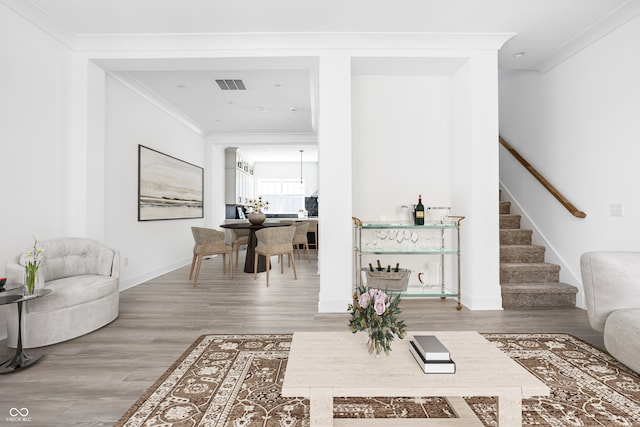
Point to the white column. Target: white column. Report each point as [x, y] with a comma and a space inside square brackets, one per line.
[475, 178]
[96, 152]
[214, 186]
[84, 192]
[75, 169]
[334, 182]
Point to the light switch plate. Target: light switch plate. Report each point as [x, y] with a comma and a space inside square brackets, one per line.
[616, 209]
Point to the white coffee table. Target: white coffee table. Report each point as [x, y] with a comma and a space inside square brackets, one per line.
[324, 365]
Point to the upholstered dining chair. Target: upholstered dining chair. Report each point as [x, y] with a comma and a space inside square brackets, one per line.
[239, 237]
[209, 242]
[275, 241]
[313, 228]
[300, 238]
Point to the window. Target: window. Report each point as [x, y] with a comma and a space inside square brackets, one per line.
[283, 195]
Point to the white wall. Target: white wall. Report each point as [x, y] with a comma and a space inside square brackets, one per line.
[147, 248]
[34, 113]
[578, 125]
[61, 123]
[289, 170]
[401, 143]
[433, 134]
[401, 148]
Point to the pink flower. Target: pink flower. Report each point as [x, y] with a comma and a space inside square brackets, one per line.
[363, 301]
[380, 306]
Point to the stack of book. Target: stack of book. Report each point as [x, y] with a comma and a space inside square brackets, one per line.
[431, 355]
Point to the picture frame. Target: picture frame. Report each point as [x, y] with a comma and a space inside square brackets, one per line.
[168, 188]
[241, 214]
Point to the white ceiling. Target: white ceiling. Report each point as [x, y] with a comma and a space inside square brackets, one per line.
[280, 96]
[274, 100]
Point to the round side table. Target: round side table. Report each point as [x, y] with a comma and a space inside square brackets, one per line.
[20, 359]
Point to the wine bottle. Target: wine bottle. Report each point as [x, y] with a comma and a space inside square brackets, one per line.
[397, 269]
[370, 267]
[388, 268]
[379, 266]
[419, 211]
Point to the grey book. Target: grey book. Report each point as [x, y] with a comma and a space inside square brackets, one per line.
[431, 348]
[432, 366]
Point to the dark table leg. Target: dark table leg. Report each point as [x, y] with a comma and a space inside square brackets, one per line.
[20, 359]
[251, 254]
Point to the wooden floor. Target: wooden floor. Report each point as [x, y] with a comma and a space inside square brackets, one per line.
[94, 379]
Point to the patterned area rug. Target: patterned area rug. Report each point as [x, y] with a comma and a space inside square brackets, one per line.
[235, 380]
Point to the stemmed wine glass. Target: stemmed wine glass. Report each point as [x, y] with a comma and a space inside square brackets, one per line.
[400, 238]
[392, 234]
[414, 238]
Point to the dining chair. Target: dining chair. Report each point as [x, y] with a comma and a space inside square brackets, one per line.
[275, 241]
[239, 237]
[209, 242]
[300, 238]
[313, 228]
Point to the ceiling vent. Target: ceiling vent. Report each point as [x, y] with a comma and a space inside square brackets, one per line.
[229, 84]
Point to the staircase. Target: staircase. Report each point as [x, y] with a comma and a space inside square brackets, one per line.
[526, 280]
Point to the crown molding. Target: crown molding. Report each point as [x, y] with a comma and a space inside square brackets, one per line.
[258, 44]
[43, 21]
[279, 41]
[275, 138]
[135, 85]
[250, 41]
[609, 23]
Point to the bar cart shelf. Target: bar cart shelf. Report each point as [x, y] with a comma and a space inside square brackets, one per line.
[442, 240]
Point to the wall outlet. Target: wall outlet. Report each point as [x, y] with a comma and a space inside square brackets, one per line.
[616, 209]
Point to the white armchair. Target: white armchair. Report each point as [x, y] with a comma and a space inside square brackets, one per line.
[611, 283]
[83, 275]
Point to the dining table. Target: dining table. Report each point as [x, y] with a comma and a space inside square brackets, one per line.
[252, 242]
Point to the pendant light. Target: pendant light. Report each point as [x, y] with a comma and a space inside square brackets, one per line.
[301, 151]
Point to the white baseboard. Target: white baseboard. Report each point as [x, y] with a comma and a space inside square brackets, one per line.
[333, 306]
[141, 278]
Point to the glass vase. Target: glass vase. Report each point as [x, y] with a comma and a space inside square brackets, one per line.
[377, 342]
[31, 281]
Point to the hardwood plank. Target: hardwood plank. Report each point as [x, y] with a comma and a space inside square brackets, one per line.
[92, 380]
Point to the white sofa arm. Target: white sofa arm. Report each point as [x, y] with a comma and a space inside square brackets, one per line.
[611, 281]
[15, 272]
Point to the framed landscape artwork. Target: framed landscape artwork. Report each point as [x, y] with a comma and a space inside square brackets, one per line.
[168, 188]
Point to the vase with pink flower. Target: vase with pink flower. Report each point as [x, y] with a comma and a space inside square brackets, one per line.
[377, 313]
